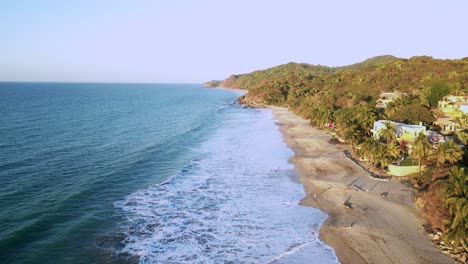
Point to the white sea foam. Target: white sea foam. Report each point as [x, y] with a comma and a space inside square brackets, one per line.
[236, 203]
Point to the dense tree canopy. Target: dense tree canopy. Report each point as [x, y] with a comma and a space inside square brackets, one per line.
[409, 110]
[428, 78]
[435, 93]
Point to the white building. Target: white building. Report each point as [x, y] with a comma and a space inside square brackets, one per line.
[402, 131]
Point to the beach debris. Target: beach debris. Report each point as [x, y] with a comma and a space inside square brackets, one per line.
[347, 205]
[351, 224]
[324, 190]
[358, 188]
[355, 188]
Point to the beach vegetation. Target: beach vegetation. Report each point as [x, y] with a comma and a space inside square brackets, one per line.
[321, 116]
[420, 149]
[447, 152]
[455, 196]
[372, 149]
[393, 150]
[388, 132]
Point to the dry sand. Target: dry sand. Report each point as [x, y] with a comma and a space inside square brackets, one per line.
[376, 229]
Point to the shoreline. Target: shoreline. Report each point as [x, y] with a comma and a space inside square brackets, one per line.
[369, 221]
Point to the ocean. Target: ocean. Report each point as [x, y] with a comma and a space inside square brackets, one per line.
[147, 173]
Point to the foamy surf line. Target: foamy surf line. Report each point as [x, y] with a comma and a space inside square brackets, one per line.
[236, 203]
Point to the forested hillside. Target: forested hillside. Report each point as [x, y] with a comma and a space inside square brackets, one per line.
[299, 86]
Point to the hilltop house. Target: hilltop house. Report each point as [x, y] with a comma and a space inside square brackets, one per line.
[454, 106]
[402, 131]
[386, 98]
[447, 125]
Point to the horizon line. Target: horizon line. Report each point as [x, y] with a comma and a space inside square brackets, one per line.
[97, 82]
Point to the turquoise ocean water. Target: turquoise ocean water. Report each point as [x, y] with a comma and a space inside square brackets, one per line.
[149, 173]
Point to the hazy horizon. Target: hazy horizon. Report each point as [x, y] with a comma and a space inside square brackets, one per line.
[192, 42]
[200, 82]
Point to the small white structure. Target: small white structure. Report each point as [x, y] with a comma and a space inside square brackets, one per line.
[402, 131]
[435, 137]
[464, 108]
[386, 98]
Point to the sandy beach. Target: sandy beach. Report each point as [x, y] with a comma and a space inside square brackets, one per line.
[382, 224]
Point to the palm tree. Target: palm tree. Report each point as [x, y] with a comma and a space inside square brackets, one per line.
[352, 135]
[393, 150]
[365, 117]
[371, 148]
[391, 108]
[448, 152]
[387, 133]
[421, 148]
[455, 191]
[425, 92]
[382, 158]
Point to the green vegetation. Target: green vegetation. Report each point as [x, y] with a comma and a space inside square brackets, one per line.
[447, 152]
[408, 162]
[455, 196]
[421, 148]
[435, 93]
[378, 61]
[304, 85]
[247, 81]
[353, 124]
[410, 110]
[387, 133]
[346, 97]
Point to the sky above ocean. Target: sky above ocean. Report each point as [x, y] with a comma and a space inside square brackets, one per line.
[194, 41]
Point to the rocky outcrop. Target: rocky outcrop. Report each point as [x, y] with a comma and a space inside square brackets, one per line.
[244, 100]
[212, 84]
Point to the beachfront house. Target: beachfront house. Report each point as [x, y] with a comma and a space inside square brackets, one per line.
[402, 131]
[386, 98]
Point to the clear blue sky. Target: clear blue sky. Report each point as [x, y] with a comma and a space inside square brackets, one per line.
[199, 40]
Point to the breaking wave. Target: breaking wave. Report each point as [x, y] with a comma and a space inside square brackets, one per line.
[235, 203]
